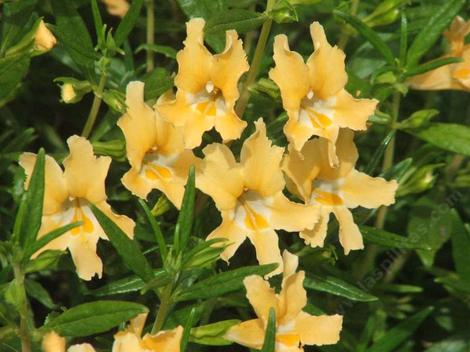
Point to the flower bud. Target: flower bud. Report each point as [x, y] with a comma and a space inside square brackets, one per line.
[44, 40]
[117, 7]
[52, 342]
[73, 90]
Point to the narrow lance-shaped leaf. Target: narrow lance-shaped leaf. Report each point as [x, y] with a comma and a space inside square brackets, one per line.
[128, 22]
[368, 34]
[269, 344]
[190, 321]
[28, 219]
[432, 65]
[126, 247]
[337, 287]
[432, 30]
[212, 334]
[185, 219]
[400, 333]
[98, 21]
[93, 318]
[460, 247]
[388, 239]
[241, 20]
[155, 229]
[378, 154]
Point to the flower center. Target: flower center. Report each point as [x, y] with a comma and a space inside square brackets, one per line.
[252, 212]
[462, 73]
[327, 193]
[291, 339]
[209, 101]
[157, 166]
[81, 212]
[317, 112]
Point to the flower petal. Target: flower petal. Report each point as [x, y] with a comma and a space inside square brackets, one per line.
[220, 176]
[136, 325]
[52, 342]
[297, 132]
[267, 249]
[55, 189]
[230, 231]
[261, 163]
[318, 330]
[83, 249]
[351, 112]
[84, 347]
[170, 139]
[292, 298]
[127, 342]
[230, 126]
[137, 184]
[125, 223]
[326, 65]
[193, 77]
[290, 74]
[168, 341]
[261, 296]
[369, 192]
[249, 333]
[84, 173]
[196, 125]
[290, 216]
[437, 79]
[349, 235]
[228, 67]
[138, 125]
[316, 237]
[291, 262]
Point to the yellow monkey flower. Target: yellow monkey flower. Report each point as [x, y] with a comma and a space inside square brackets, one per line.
[335, 190]
[117, 7]
[52, 342]
[294, 327]
[249, 196]
[68, 195]
[453, 76]
[206, 87]
[155, 149]
[130, 340]
[313, 93]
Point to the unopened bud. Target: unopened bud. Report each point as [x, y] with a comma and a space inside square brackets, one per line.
[117, 7]
[52, 342]
[44, 40]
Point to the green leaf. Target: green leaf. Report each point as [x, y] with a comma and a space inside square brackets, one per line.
[185, 218]
[128, 22]
[391, 240]
[222, 283]
[168, 51]
[117, 287]
[429, 33]
[369, 35]
[47, 260]
[155, 228]
[17, 19]
[378, 154]
[29, 216]
[12, 71]
[212, 334]
[98, 21]
[48, 237]
[93, 318]
[337, 287]
[127, 248]
[39, 293]
[460, 247]
[418, 118]
[201, 8]
[400, 333]
[448, 136]
[73, 35]
[432, 65]
[157, 82]
[190, 321]
[269, 343]
[241, 20]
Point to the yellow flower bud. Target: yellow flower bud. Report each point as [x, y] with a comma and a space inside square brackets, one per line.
[68, 93]
[44, 40]
[117, 7]
[52, 342]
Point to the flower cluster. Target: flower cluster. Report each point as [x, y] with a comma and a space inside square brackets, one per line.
[248, 191]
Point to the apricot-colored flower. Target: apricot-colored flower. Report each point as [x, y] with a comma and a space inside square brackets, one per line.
[294, 327]
[44, 40]
[68, 195]
[453, 76]
[130, 340]
[313, 93]
[206, 87]
[155, 149]
[335, 190]
[117, 7]
[52, 342]
[249, 196]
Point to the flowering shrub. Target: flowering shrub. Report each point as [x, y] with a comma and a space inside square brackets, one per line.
[207, 144]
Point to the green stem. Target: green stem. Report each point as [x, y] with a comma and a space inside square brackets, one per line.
[164, 309]
[373, 250]
[25, 328]
[345, 30]
[150, 33]
[95, 106]
[255, 64]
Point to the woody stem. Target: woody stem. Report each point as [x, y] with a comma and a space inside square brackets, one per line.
[95, 107]
[255, 64]
[150, 33]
